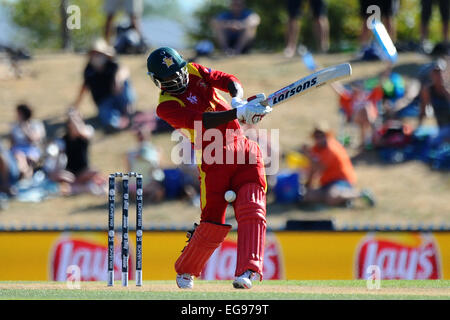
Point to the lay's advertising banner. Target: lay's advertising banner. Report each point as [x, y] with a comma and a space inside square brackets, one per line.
[289, 255]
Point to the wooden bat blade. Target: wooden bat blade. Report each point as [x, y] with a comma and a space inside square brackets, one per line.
[309, 83]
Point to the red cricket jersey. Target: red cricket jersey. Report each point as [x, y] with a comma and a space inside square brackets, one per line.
[182, 110]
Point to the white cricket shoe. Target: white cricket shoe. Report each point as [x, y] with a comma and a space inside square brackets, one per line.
[244, 280]
[185, 281]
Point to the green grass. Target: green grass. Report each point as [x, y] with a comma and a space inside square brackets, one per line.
[221, 290]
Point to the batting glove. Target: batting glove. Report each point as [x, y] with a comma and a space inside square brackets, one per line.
[253, 111]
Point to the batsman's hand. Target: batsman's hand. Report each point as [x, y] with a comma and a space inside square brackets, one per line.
[253, 111]
[237, 102]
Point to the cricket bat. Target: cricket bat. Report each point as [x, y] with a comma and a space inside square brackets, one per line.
[308, 83]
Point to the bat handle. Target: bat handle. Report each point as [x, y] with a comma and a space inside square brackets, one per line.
[264, 102]
[251, 98]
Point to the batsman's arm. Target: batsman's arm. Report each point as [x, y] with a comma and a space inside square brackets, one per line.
[215, 119]
[235, 89]
[180, 117]
[221, 80]
[250, 112]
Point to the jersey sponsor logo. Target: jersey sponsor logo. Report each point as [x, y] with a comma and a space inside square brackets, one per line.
[89, 256]
[222, 263]
[289, 92]
[168, 61]
[400, 256]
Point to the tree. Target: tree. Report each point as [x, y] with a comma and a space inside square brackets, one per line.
[65, 32]
[44, 22]
[345, 22]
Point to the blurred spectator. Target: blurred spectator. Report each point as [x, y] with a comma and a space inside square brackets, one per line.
[331, 164]
[321, 25]
[109, 85]
[54, 166]
[388, 11]
[133, 8]
[393, 84]
[145, 159]
[235, 29]
[393, 92]
[393, 133]
[76, 140]
[191, 182]
[27, 137]
[128, 40]
[9, 172]
[436, 93]
[426, 10]
[360, 107]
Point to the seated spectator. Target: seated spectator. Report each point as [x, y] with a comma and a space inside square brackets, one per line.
[54, 166]
[76, 140]
[191, 182]
[393, 133]
[129, 40]
[235, 29]
[9, 172]
[360, 107]
[109, 85]
[436, 93]
[145, 159]
[133, 8]
[331, 164]
[27, 137]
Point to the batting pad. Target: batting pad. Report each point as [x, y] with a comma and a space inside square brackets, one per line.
[250, 211]
[207, 237]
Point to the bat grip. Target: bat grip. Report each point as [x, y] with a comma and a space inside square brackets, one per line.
[264, 102]
[251, 98]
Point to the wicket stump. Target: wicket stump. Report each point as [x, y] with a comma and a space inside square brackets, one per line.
[125, 227]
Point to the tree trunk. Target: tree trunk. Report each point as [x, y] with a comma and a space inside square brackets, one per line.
[65, 32]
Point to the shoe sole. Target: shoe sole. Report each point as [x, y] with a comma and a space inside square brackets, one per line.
[237, 285]
[184, 287]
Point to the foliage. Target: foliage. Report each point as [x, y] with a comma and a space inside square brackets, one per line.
[42, 20]
[343, 15]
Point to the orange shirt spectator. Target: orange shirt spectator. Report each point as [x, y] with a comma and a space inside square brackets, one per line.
[334, 161]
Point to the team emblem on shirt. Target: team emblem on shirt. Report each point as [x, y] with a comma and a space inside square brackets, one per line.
[168, 61]
[192, 99]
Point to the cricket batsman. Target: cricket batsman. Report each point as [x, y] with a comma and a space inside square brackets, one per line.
[189, 101]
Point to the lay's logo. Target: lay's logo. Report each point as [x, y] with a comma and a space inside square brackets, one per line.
[222, 263]
[399, 256]
[88, 255]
